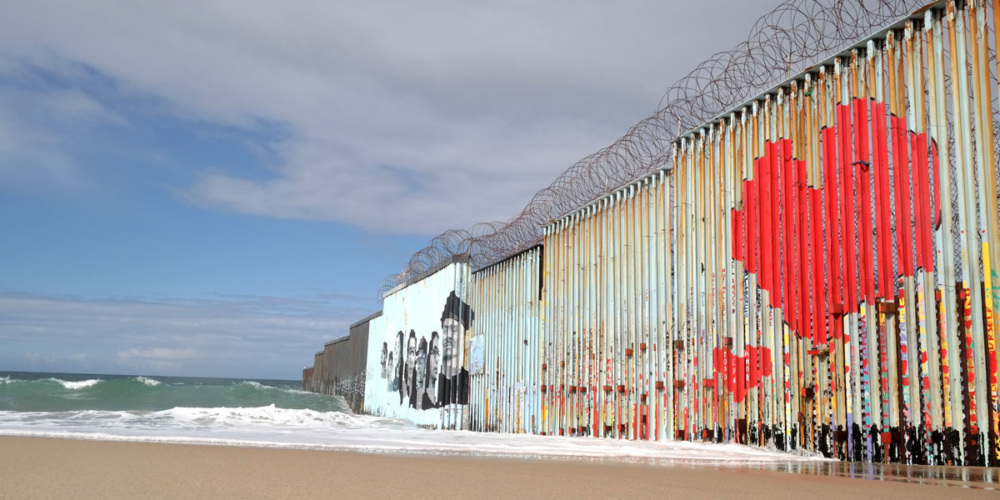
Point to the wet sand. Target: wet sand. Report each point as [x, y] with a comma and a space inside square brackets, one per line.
[70, 468]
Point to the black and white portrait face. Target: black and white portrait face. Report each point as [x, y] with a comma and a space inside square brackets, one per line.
[420, 367]
[411, 358]
[451, 342]
[434, 359]
[411, 351]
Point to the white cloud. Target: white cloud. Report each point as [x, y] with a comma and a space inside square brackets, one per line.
[229, 336]
[36, 357]
[38, 122]
[158, 353]
[395, 116]
[30, 154]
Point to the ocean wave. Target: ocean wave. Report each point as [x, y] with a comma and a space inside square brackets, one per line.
[148, 381]
[264, 387]
[77, 385]
[255, 385]
[267, 415]
[145, 393]
[183, 419]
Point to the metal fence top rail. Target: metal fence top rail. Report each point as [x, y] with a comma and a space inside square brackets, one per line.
[512, 257]
[625, 191]
[462, 258]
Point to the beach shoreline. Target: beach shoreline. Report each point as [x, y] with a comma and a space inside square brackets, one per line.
[35, 467]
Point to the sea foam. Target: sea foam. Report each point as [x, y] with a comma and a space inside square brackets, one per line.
[148, 381]
[269, 426]
[278, 414]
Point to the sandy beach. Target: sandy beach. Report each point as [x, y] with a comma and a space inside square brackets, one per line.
[69, 468]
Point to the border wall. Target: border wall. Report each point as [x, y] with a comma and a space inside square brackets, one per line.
[314, 381]
[418, 351]
[606, 307]
[817, 269]
[854, 214]
[506, 345]
[340, 368]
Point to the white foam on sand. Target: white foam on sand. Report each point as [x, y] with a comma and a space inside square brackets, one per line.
[272, 427]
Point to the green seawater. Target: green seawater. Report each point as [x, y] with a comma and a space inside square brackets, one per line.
[72, 392]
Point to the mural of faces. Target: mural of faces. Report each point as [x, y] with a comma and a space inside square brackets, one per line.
[429, 373]
[411, 358]
[453, 385]
[433, 365]
[434, 358]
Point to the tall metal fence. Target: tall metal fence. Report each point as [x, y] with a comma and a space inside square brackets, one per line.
[506, 345]
[818, 269]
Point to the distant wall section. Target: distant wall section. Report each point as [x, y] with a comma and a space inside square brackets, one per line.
[339, 369]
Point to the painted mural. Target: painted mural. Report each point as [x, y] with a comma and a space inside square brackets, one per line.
[419, 352]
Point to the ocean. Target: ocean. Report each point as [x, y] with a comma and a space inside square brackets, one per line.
[277, 414]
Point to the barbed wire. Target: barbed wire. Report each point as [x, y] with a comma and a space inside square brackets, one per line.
[783, 42]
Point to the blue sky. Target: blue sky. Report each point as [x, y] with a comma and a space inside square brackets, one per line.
[217, 190]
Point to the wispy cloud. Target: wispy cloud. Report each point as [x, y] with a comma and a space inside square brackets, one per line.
[259, 336]
[158, 353]
[42, 122]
